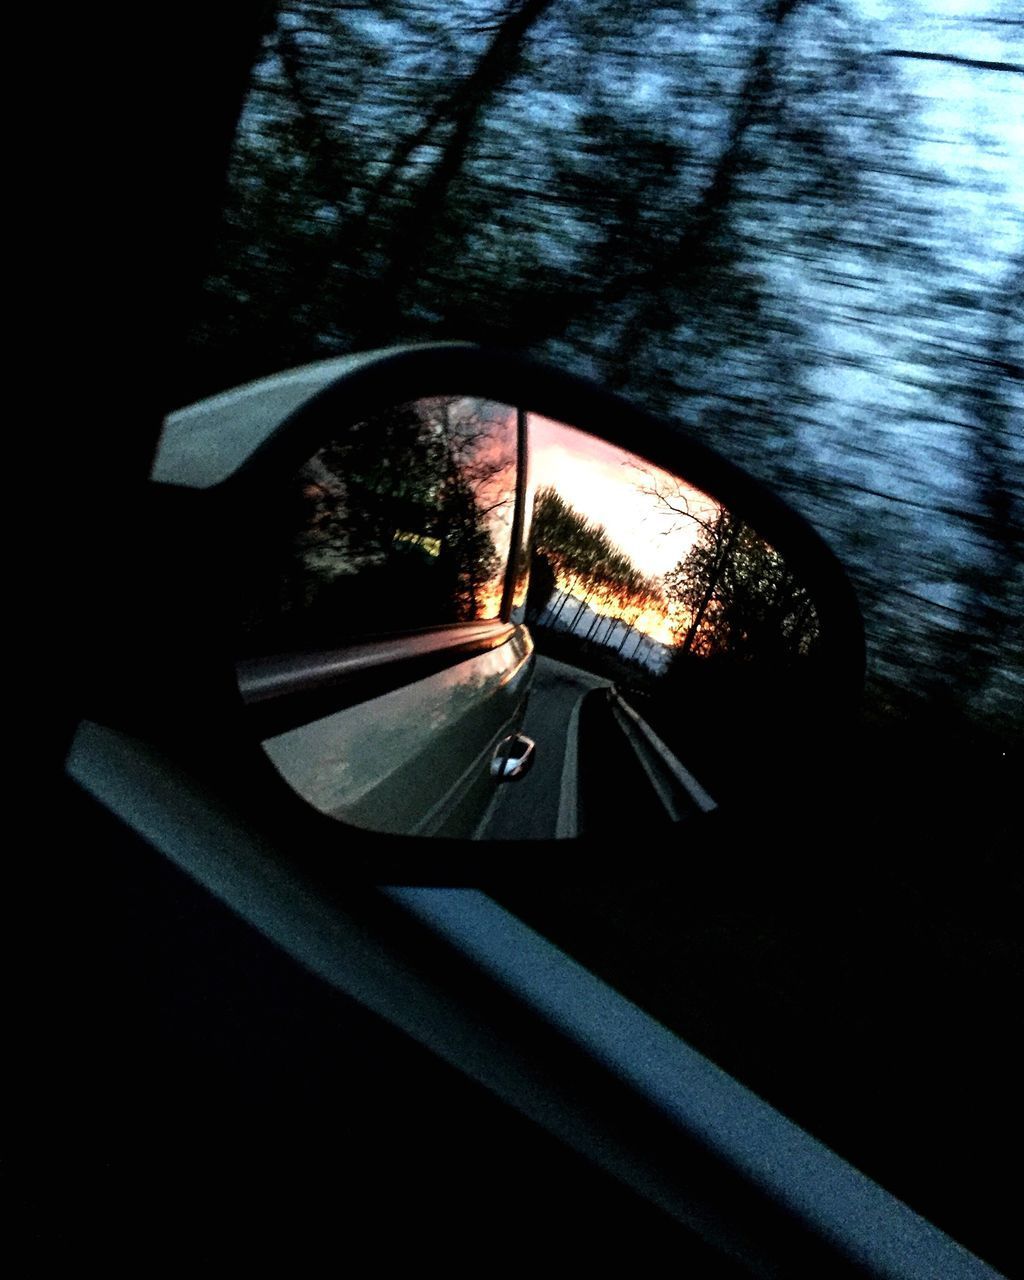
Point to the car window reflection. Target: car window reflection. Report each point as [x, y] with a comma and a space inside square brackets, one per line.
[402, 521]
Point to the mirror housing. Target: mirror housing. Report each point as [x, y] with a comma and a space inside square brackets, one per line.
[220, 464]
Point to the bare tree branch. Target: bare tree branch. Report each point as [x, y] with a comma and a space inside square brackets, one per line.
[981, 64]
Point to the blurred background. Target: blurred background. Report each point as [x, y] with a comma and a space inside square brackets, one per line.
[797, 227]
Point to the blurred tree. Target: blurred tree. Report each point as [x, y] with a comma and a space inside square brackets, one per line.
[752, 217]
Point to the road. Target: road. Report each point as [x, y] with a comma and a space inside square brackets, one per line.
[543, 804]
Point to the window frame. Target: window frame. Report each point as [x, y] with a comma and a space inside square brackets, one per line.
[469, 981]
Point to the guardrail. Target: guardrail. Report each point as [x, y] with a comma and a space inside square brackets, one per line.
[677, 789]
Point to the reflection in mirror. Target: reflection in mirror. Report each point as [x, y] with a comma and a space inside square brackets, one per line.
[408, 622]
[628, 558]
[400, 521]
[409, 761]
[700, 634]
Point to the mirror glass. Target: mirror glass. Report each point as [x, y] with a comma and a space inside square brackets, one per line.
[464, 620]
[399, 522]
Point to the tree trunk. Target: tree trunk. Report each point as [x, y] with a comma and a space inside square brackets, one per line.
[415, 231]
[688, 260]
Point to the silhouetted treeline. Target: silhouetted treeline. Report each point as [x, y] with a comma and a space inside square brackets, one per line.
[589, 575]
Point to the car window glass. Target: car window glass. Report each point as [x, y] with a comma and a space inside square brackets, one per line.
[402, 521]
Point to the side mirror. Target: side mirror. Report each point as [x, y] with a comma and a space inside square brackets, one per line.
[434, 558]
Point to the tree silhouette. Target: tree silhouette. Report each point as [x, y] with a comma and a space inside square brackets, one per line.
[401, 521]
[585, 567]
[738, 598]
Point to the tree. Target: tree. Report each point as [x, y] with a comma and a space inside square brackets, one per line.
[739, 600]
[395, 524]
[586, 567]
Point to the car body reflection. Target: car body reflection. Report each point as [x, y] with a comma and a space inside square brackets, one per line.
[414, 760]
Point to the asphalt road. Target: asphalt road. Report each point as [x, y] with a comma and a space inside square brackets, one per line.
[543, 804]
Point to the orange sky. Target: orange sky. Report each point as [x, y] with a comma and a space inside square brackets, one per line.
[605, 484]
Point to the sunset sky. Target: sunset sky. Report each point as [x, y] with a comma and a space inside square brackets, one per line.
[604, 483]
